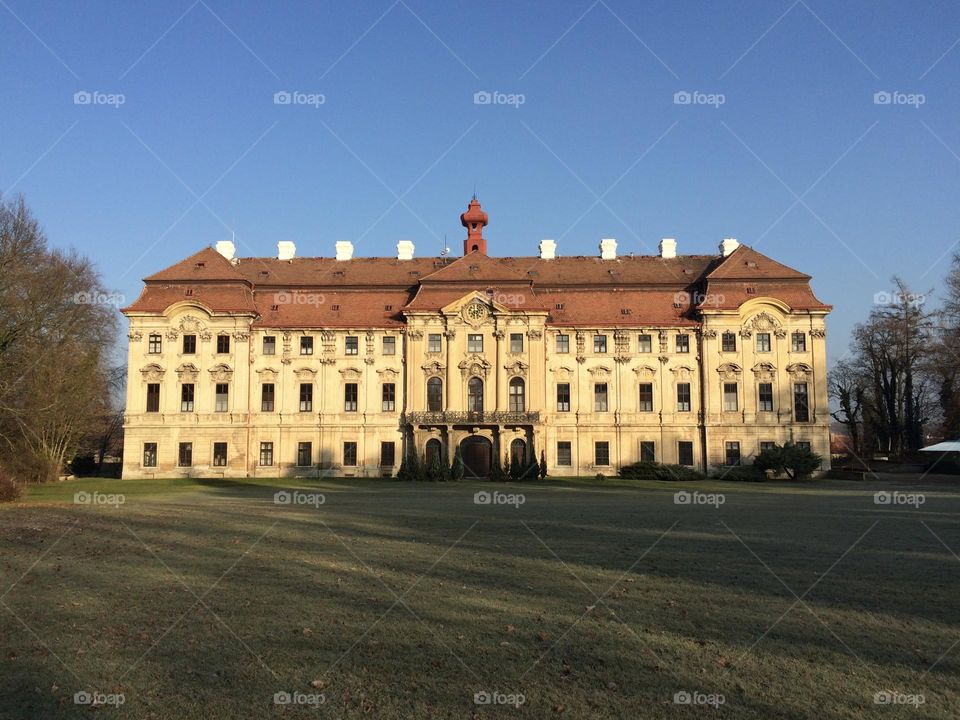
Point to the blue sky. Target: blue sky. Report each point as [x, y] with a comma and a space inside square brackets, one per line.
[798, 160]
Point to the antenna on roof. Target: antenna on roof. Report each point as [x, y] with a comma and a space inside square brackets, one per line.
[445, 250]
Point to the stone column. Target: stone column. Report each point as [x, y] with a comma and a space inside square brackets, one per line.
[499, 374]
[450, 336]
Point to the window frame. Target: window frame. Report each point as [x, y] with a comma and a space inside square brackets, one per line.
[263, 397]
[767, 345]
[765, 404]
[727, 393]
[475, 343]
[392, 454]
[434, 394]
[682, 343]
[599, 344]
[154, 344]
[731, 449]
[517, 395]
[351, 454]
[562, 346]
[221, 398]
[351, 404]
[271, 342]
[388, 341]
[801, 346]
[564, 446]
[388, 397]
[644, 343]
[153, 398]
[150, 454]
[601, 397]
[306, 345]
[563, 397]
[220, 459]
[351, 345]
[516, 343]
[728, 342]
[306, 397]
[801, 401]
[434, 343]
[688, 389]
[187, 404]
[188, 446]
[681, 446]
[223, 344]
[266, 453]
[302, 446]
[193, 344]
[474, 399]
[645, 404]
[648, 451]
[605, 446]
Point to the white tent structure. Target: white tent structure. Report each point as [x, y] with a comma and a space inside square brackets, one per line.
[947, 446]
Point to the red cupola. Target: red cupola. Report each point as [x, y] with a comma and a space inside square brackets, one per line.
[474, 220]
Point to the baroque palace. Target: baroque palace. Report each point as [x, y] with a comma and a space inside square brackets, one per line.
[315, 366]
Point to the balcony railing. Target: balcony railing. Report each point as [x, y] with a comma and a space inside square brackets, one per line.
[458, 417]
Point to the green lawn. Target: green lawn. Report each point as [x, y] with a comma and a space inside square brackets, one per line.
[202, 599]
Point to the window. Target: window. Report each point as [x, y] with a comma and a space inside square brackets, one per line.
[475, 343]
[304, 454]
[154, 344]
[306, 345]
[222, 397]
[223, 344]
[646, 397]
[766, 397]
[685, 453]
[648, 451]
[269, 345]
[516, 342]
[352, 345]
[388, 397]
[798, 342]
[149, 454]
[389, 345]
[219, 454]
[801, 405]
[517, 395]
[683, 397]
[732, 453]
[599, 343]
[601, 453]
[683, 343]
[306, 397]
[767, 445]
[563, 397]
[267, 393]
[350, 397]
[730, 403]
[186, 397]
[266, 454]
[728, 342]
[388, 454]
[153, 397]
[564, 454]
[350, 454]
[185, 454]
[763, 342]
[433, 342]
[563, 344]
[435, 394]
[475, 395]
[600, 397]
[189, 344]
[803, 445]
[432, 451]
[645, 344]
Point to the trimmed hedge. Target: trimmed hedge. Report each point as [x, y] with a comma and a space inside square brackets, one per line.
[659, 471]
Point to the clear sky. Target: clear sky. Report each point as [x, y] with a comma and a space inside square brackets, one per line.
[782, 146]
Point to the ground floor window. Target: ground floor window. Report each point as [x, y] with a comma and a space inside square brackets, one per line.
[220, 454]
[266, 454]
[601, 453]
[185, 455]
[350, 454]
[648, 452]
[732, 450]
[304, 454]
[388, 454]
[564, 454]
[685, 453]
[767, 445]
[149, 454]
[803, 445]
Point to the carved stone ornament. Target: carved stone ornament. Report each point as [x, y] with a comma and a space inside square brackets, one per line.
[305, 374]
[517, 368]
[267, 374]
[535, 334]
[191, 324]
[764, 371]
[800, 371]
[450, 334]
[682, 373]
[388, 374]
[205, 335]
[709, 334]
[221, 372]
[475, 365]
[780, 333]
[563, 373]
[645, 372]
[135, 335]
[171, 335]
[351, 374]
[433, 369]
[152, 373]
[241, 336]
[415, 334]
[746, 333]
[475, 313]
[729, 371]
[762, 322]
[818, 332]
[600, 372]
[188, 373]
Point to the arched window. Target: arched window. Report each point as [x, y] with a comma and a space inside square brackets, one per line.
[517, 395]
[433, 451]
[518, 452]
[475, 395]
[435, 394]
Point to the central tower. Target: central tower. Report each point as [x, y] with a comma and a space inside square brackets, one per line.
[474, 220]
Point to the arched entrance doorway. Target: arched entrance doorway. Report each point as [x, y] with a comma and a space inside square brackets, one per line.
[477, 454]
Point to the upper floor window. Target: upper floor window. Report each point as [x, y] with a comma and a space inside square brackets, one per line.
[600, 397]
[516, 342]
[563, 344]
[189, 344]
[599, 343]
[186, 397]
[267, 394]
[435, 394]
[730, 402]
[518, 401]
[645, 344]
[765, 397]
[269, 345]
[728, 342]
[563, 397]
[475, 395]
[801, 402]
[153, 397]
[683, 343]
[222, 397]
[475, 343]
[388, 395]
[683, 398]
[389, 345]
[352, 345]
[798, 342]
[763, 342]
[223, 344]
[434, 342]
[306, 345]
[350, 395]
[306, 397]
[646, 397]
[154, 344]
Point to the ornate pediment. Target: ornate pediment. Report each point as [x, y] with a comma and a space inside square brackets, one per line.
[388, 374]
[188, 372]
[351, 374]
[191, 324]
[152, 372]
[729, 371]
[762, 322]
[764, 371]
[600, 372]
[433, 368]
[682, 373]
[645, 372]
[517, 368]
[800, 371]
[221, 372]
[267, 374]
[305, 374]
[563, 373]
[475, 365]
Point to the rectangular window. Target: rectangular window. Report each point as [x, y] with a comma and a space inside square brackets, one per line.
[564, 454]
[304, 454]
[475, 343]
[185, 454]
[648, 451]
[434, 342]
[266, 454]
[350, 454]
[516, 342]
[149, 454]
[223, 344]
[389, 397]
[220, 454]
[563, 344]
[434, 394]
[767, 445]
[599, 343]
[803, 445]
[683, 343]
[269, 345]
[153, 397]
[600, 397]
[306, 345]
[798, 342]
[766, 397]
[352, 345]
[350, 397]
[683, 397]
[306, 397]
[646, 397]
[563, 397]
[222, 397]
[763, 342]
[601, 453]
[189, 344]
[732, 453]
[801, 405]
[388, 454]
[728, 342]
[645, 344]
[685, 453]
[186, 397]
[730, 402]
[389, 345]
[267, 394]
[154, 344]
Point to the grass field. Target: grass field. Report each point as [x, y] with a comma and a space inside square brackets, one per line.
[199, 599]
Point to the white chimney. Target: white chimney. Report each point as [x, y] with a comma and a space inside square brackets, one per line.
[226, 248]
[608, 249]
[728, 245]
[286, 250]
[668, 248]
[404, 250]
[548, 249]
[344, 250]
